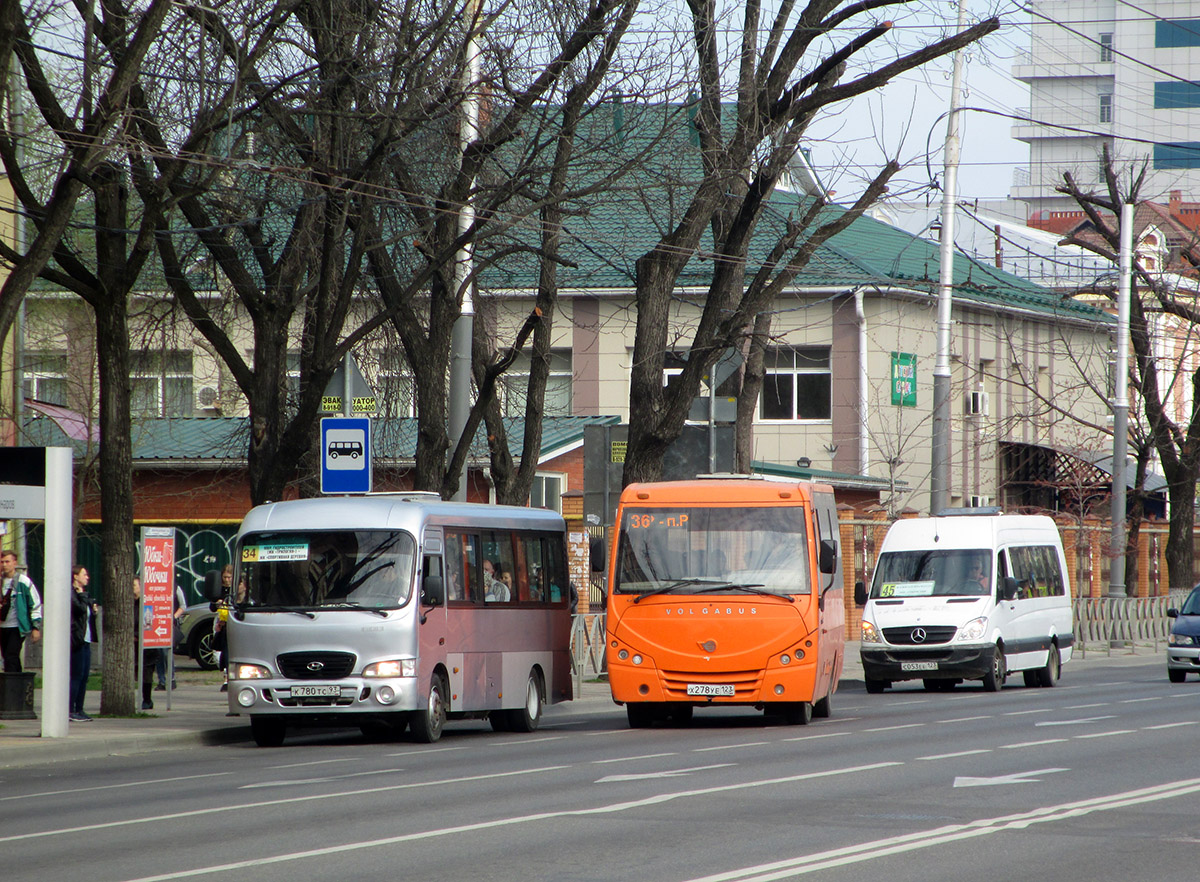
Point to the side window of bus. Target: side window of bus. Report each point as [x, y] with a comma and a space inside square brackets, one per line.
[498, 569]
[554, 574]
[460, 555]
[531, 584]
[1055, 582]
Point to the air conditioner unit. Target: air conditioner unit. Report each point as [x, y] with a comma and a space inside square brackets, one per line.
[976, 403]
[981, 501]
[207, 398]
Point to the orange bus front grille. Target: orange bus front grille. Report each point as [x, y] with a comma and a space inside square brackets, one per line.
[746, 684]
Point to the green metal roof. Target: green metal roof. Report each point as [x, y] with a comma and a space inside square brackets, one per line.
[213, 441]
[823, 476]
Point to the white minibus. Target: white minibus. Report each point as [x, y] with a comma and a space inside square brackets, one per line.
[969, 595]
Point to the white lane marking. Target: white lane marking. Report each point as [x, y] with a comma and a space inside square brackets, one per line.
[669, 773]
[292, 782]
[942, 756]
[192, 813]
[419, 752]
[324, 762]
[1086, 706]
[629, 759]
[1036, 710]
[1032, 743]
[1137, 700]
[114, 786]
[894, 728]
[1106, 734]
[815, 737]
[1015, 778]
[731, 746]
[519, 742]
[612, 808]
[965, 719]
[1079, 722]
[867, 851]
[1173, 725]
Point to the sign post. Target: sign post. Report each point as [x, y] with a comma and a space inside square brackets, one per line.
[158, 595]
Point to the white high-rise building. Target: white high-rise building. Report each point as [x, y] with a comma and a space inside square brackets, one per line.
[1125, 73]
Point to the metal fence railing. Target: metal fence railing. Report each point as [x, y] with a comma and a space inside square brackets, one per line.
[587, 645]
[1102, 621]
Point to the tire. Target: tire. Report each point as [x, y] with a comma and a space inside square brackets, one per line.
[641, 716]
[201, 648]
[1048, 676]
[1176, 676]
[527, 717]
[427, 723]
[993, 680]
[793, 713]
[874, 687]
[268, 732]
[823, 709]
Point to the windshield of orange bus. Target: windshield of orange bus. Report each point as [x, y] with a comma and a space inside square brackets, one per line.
[697, 550]
[334, 568]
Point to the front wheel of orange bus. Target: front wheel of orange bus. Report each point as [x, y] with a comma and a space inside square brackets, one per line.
[793, 713]
[428, 722]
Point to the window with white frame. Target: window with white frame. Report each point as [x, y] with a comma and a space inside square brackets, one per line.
[1106, 47]
[797, 385]
[673, 365]
[46, 377]
[547, 491]
[514, 385]
[161, 381]
[1106, 107]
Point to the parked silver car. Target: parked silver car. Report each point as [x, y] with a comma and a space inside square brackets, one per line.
[196, 636]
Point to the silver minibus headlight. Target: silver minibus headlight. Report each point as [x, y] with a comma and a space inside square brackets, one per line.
[239, 671]
[868, 634]
[398, 667]
[973, 630]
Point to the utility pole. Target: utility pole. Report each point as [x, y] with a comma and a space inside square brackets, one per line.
[939, 486]
[1120, 407]
[464, 325]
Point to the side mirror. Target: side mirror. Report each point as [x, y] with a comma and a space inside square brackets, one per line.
[1008, 588]
[597, 551]
[433, 592]
[1172, 613]
[213, 589]
[827, 556]
[860, 593]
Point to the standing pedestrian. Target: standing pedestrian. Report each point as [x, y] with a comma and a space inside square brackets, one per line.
[20, 612]
[83, 635]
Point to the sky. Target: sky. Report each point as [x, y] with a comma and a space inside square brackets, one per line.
[906, 118]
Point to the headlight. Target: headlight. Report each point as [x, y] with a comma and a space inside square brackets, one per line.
[400, 667]
[1181, 639]
[973, 630]
[868, 634]
[238, 671]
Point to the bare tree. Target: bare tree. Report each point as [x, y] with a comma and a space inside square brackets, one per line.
[787, 72]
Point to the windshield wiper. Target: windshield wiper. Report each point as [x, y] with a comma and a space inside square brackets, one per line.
[382, 613]
[754, 587]
[678, 583]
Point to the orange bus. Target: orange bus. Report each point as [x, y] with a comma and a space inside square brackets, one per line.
[725, 590]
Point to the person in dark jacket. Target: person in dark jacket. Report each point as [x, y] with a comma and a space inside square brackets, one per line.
[83, 635]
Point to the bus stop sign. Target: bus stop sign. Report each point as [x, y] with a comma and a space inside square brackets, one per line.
[345, 455]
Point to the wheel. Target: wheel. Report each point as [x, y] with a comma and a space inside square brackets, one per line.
[994, 679]
[201, 647]
[680, 714]
[268, 732]
[793, 713]
[824, 708]
[1176, 676]
[527, 717]
[875, 686]
[427, 723]
[1049, 675]
[641, 716]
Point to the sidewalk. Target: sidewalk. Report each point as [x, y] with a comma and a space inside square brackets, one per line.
[198, 715]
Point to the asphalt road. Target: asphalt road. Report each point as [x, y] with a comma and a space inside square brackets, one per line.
[1095, 779]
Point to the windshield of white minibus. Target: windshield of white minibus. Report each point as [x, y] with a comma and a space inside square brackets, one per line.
[959, 572]
[371, 569]
[699, 550]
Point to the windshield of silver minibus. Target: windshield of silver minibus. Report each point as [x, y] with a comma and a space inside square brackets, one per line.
[702, 550]
[959, 572]
[337, 568]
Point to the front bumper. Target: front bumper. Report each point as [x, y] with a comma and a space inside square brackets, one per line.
[354, 695]
[894, 663]
[1183, 658]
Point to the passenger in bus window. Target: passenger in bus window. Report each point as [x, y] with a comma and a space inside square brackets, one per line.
[495, 591]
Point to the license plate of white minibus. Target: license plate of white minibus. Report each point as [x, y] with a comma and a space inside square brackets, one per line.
[918, 666]
[316, 691]
[725, 689]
